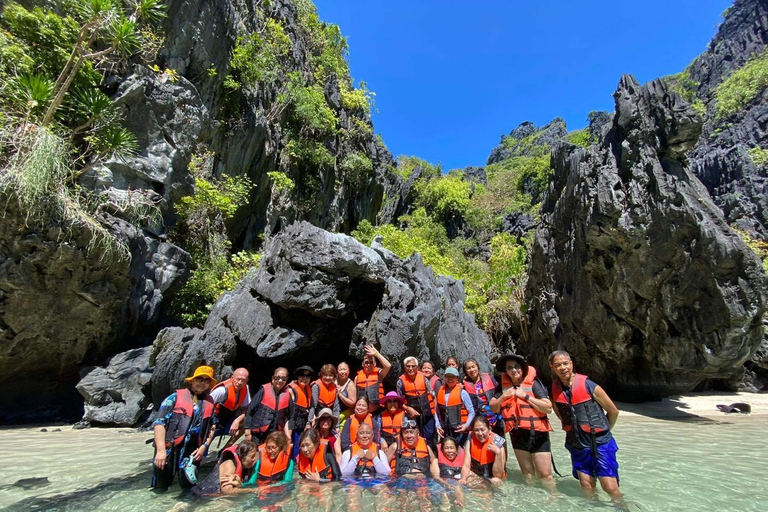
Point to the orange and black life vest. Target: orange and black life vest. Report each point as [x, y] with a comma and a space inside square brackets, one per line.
[365, 468]
[326, 395]
[234, 398]
[580, 412]
[391, 425]
[273, 470]
[302, 398]
[482, 457]
[349, 432]
[450, 468]
[453, 414]
[489, 388]
[410, 460]
[266, 416]
[369, 386]
[182, 416]
[417, 393]
[517, 413]
[317, 464]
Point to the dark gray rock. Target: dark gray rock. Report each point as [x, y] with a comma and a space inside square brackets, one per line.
[475, 175]
[518, 224]
[527, 140]
[633, 269]
[117, 394]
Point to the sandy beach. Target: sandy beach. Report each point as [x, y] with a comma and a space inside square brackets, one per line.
[702, 405]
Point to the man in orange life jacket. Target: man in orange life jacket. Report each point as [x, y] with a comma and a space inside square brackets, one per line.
[268, 410]
[231, 398]
[368, 382]
[419, 398]
[183, 431]
[587, 415]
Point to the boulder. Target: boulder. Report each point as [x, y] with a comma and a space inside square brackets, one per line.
[117, 395]
[634, 270]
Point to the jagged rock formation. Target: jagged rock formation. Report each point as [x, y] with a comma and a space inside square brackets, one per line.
[720, 159]
[522, 140]
[634, 270]
[319, 297]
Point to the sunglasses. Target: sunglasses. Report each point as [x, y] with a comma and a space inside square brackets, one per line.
[281, 378]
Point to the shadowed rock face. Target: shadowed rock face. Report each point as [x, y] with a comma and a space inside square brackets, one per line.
[634, 270]
[319, 297]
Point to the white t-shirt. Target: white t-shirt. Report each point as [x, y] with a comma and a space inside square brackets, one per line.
[219, 395]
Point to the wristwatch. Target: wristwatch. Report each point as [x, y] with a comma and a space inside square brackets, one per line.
[527, 397]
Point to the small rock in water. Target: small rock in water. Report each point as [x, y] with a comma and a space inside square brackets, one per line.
[43, 430]
[81, 425]
[57, 430]
[32, 483]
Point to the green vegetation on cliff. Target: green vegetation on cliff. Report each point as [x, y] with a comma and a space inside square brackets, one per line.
[742, 86]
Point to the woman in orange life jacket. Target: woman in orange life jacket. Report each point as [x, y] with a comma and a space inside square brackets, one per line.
[325, 424]
[524, 404]
[447, 465]
[428, 369]
[368, 381]
[588, 415]
[325, 393]
[454, 408]
[411, 454]
[233, 467]
[486, 452]
[316, 461]
[269, 408]
[481, 388]
[391, 418]
[360, 416]
[183, 431]
[419, 399]
[275, 464]
[301, 403]
[347, 392]
[364, 458]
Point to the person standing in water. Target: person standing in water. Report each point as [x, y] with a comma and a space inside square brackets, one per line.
[269, 407]
[428, 369]
[231, 398]
[183, 431]
[587, 415]
[524, 404]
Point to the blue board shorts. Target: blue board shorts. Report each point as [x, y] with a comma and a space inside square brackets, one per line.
[605, 464]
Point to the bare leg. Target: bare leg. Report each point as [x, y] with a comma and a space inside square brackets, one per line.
[588, 485]
[543, 463]
[526, 462]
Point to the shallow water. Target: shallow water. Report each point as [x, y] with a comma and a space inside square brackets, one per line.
[680, 465]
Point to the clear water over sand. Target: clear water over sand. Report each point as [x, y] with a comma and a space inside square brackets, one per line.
[666, 465]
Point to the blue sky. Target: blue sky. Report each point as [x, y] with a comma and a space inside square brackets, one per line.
[450, 77]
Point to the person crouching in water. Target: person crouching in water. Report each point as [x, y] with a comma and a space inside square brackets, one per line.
[587, 415]
[183, 431]
[410, 454]
[524, 404]
[275, 464]
[316, 459]
[233, 468]
[363, 459]
[487, 453]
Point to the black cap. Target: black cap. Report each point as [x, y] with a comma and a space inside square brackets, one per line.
[301, 369]
[502, 363]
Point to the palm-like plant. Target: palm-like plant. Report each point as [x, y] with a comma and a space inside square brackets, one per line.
[147, 11]
[33, 92]
[94, 107]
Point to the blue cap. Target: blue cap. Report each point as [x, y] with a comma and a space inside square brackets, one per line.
[452, 371]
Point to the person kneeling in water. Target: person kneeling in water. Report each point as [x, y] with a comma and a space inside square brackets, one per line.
[364, 459]
[234, 466]
[487, 453]
[316, 460]
[275, 464]
[411, 453]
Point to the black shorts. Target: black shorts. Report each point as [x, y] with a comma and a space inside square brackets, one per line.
[523, 440]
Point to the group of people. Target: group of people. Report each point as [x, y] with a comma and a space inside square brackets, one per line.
[340, 426]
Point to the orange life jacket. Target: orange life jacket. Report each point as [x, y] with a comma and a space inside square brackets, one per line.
[369, 386]
[517, 413]
[267, 411]
[181, 419]
[273, 470]
[482, 457]
[453, 414]
[580, 412]
[409, 460]
[391, 425]
[417, 393]
[450, 468]
[349, 432]
[301, 401]
[489, 388]
[317, 464]
[326, 395]
[365, 467]
[234, 398]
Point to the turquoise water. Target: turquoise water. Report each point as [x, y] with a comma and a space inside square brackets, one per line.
[665, 466]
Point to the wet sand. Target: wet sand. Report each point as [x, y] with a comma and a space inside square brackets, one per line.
[695, 405]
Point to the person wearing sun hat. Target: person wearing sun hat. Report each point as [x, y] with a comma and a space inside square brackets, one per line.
[183, 430]
[325, 423]
[524, 403]
[391, 418]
